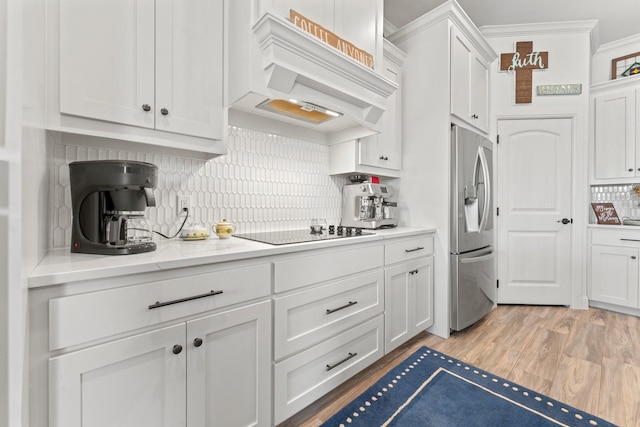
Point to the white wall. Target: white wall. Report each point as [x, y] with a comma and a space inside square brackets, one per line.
[12, 297]
[569, 47]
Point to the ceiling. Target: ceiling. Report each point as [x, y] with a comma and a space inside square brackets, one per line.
[617, 18]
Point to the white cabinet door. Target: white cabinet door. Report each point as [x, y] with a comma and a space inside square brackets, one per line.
[614, 275]
[615, 135]
[189, 66]
[461, 57]
[229, 360]
[384, 150]
[423, 294]
[320, 12]
[408, 301]
[132, 382]
[107, 60]
[360, 22]
[397, 300]
[480, 93]
[469, 82]
[148, 63]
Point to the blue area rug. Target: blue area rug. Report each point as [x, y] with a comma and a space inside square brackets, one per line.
[433, 389]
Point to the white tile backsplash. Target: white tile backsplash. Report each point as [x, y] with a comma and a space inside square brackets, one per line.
[265, 182]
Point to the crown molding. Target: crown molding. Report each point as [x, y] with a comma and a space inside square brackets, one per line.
[451, 11]
[561, 27]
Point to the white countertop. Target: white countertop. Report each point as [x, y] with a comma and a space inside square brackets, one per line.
[62, 266]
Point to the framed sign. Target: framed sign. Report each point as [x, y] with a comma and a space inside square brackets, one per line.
[625, 65]
[606, 213]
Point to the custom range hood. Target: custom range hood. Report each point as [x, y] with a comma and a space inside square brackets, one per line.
[283, 80]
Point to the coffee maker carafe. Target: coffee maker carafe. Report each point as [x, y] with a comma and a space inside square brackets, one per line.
[105, 196]
[368, 205]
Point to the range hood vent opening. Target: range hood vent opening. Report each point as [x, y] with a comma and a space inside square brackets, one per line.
[307, 111]
[277, 62]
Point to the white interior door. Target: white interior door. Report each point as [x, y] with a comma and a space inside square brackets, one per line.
[534, 193]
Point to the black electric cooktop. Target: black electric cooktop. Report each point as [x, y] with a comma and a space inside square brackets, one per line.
[298, 236]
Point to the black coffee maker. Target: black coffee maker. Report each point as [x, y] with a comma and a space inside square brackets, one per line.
[105, 195]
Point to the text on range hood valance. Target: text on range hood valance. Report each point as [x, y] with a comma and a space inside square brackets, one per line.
[279, 61]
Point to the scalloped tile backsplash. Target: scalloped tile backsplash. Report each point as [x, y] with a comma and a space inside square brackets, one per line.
[265, 182]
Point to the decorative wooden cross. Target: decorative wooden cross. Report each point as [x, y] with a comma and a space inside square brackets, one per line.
[523, 62]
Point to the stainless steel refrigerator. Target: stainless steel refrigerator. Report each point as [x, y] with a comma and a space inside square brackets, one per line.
[473, 284]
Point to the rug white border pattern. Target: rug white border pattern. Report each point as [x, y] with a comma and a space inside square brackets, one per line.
[389, 387]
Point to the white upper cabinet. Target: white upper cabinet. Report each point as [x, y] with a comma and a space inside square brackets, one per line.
[616, 153]
[381, 153]
[357, 21]
[469, 82]
[148, 71]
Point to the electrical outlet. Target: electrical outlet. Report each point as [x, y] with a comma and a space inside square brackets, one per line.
[184, 202]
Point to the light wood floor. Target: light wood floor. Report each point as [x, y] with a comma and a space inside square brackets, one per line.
[589, 359]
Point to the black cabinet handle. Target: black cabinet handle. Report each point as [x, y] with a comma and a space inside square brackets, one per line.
[349, 304]
[146, 107]
[197, 342]
[412, 272]
[419, 248]
[177, 349]
[159, 304]
[350, 356]
[164, 111]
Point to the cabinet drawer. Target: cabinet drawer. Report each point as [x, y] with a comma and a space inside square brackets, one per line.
[626, 238]
[407, 249]
[305, 377]
[309, 317]
[296, 272]
[81, 318]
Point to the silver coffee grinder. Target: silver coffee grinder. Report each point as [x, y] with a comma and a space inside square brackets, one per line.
[109, 199]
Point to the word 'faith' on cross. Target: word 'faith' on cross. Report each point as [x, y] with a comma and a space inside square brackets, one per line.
[523, 62]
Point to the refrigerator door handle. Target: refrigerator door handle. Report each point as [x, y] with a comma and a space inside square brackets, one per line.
[477, 259]
[487, 189]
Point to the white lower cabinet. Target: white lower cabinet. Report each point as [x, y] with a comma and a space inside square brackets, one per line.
[308, 375]
[214, 370]
[615, 267]
[328, 322]
[408, 291]
[409, 300]
[136, 381]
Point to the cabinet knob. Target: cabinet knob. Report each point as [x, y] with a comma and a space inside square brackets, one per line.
[164, 111]
[197, 342]
[475, 116]
[146, 107]
[630, 169]
[177, 349]
[633, 257]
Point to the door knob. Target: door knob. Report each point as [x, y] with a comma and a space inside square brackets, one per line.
[177, 349]
[197, 342]
[565, 221]
[164, 111]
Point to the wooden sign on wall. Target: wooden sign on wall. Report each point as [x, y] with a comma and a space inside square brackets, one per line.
[331, 39]
[605, 213]
[523, 61]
